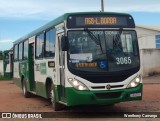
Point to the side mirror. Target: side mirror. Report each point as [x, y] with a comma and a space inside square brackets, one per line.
[64, 43]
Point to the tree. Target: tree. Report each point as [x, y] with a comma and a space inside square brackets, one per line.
[1, 55]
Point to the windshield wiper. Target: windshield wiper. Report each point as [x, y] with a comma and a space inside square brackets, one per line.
[116, 40]
[100, 43]
[94, 38]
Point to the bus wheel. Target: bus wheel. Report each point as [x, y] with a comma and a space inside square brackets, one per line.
[56, 106]
[24, 89]
[110, 105]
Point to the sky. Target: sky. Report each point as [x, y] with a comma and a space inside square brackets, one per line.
[19, 17]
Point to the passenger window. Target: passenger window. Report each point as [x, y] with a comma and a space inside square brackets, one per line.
[50, 43]
[25, 50]
[20, 51]
[39, 46]
[15, 52]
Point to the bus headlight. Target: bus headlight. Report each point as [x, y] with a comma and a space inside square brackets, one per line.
[135, 82]
[77, 84]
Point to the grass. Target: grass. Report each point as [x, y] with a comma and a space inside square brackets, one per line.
[2, 78]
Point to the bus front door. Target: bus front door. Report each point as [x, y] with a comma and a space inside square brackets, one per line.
[61, 69]
[31, 67]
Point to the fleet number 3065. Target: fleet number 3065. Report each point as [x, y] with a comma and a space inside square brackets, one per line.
[123, 60]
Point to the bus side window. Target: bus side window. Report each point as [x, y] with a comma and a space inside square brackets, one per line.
[25, 50]
[15, 52]
[20, 51]
[39, 45]
[50, 43]
[7, 58]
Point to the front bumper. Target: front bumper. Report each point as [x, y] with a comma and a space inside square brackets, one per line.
[75, 97]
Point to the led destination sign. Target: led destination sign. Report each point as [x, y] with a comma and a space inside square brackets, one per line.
[100, 21]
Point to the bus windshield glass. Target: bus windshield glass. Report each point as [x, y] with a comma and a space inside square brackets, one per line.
[103, 50]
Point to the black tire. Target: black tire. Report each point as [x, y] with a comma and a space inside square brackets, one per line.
[26, 94]
[55, 105]
[110, 105]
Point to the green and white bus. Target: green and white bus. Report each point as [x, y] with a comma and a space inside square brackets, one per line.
[81, 59]
[6, 64]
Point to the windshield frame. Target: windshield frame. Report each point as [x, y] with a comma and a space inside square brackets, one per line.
[128, 71]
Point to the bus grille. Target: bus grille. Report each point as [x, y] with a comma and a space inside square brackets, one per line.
[108, 95]
[106, 79]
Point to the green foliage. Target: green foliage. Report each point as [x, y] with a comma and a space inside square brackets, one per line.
[1, 55]
[1, 77]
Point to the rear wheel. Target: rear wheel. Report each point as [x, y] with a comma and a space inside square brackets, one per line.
[26, 94]
[56, 106]
[111, 105]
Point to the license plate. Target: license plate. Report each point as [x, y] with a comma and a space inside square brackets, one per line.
[135, 94]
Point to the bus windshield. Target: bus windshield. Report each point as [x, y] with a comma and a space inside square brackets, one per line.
[103, 50]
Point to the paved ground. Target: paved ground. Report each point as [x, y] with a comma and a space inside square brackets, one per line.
[152, 80]
[12, 100]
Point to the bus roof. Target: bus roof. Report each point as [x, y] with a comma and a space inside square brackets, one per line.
[59, 20]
